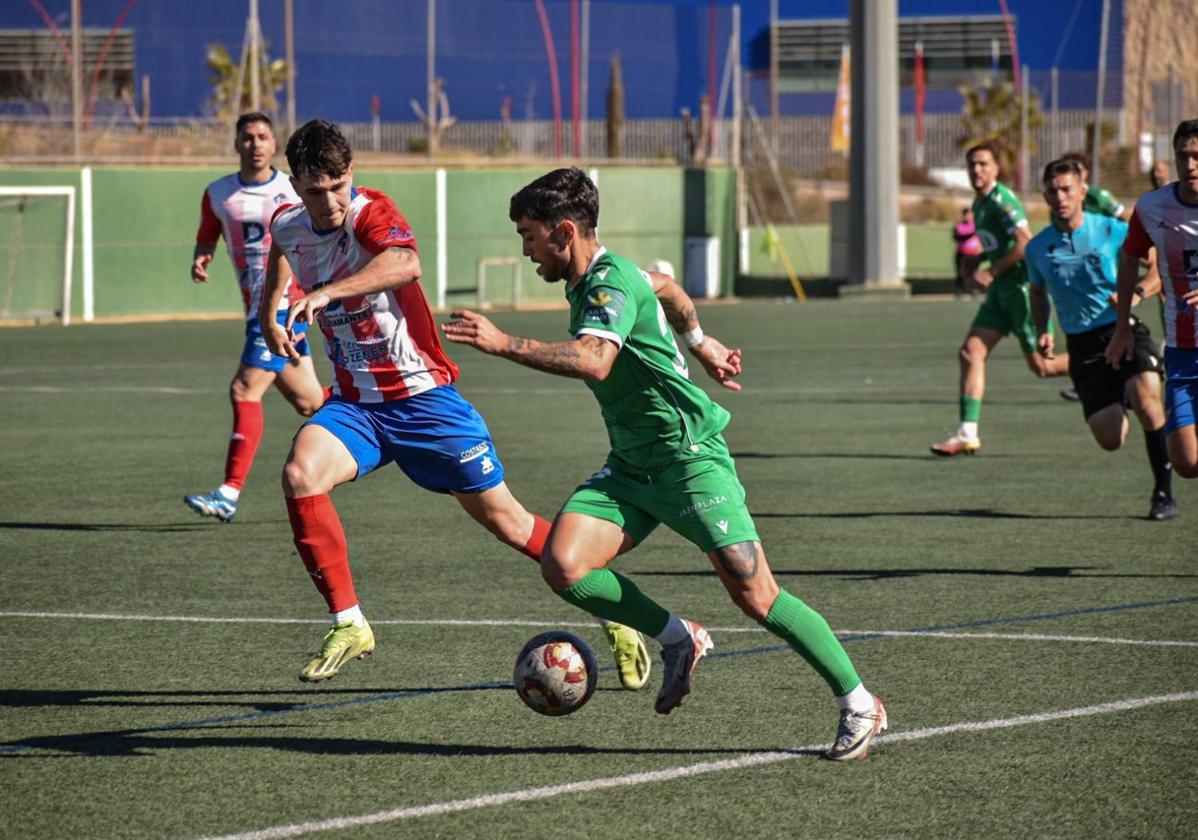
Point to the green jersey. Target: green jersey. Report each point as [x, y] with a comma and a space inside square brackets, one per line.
[996, 216]
[655, 415]
[1101, 201]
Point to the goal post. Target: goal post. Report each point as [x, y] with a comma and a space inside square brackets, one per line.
[481, 288]
[37, 253]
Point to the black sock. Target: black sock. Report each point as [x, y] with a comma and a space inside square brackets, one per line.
[1158, 459]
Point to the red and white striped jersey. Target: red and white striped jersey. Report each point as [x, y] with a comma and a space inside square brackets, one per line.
[242, 212]
[383, 346]
[1162, 220]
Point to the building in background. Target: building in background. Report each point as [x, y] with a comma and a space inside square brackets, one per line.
[143, 56]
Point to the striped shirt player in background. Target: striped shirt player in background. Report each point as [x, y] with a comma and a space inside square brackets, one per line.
[239, 207]
[1167, 219]
[669, 463]
[393, 400]
[1002, 227]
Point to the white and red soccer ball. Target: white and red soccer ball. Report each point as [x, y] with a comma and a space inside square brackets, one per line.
[555, 673]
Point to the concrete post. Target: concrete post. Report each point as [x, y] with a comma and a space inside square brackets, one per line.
[874, 159]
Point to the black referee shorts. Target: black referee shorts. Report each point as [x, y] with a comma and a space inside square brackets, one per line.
[1098, 384]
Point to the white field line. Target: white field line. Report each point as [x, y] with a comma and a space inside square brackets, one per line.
[738, 763]
[505, 622]
[106, 389]
[1023, 637]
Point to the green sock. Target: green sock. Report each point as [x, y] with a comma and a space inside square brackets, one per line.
[971, 409]
[808, 633]
[614, 597]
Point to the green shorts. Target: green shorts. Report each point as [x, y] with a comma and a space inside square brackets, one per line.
[699, 497]
[1007, 309]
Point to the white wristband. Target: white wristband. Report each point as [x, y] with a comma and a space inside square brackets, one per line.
[693, 338]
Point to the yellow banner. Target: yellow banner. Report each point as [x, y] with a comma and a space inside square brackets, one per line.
[841, 115]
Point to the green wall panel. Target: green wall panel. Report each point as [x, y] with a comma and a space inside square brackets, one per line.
[144, 223]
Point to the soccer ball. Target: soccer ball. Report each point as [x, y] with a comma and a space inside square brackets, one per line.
[555, 673]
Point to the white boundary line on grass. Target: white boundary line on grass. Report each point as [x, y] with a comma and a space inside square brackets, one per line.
[1024, 637]
[740, 762]
[504, 622]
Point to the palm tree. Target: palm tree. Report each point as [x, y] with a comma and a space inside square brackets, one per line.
[223, 76]
[993, 112]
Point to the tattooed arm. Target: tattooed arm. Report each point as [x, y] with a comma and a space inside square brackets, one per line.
[722, 365]
[586, 357]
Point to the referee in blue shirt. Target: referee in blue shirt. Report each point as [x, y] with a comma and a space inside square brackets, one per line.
[1073, 261]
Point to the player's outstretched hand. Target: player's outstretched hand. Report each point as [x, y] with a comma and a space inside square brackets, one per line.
[199, 268]
[1190, 298]
[721, 364]
[278, 340]
[1120, 347]
[981, 279]
[1046, 345]
[304, 311]
[468, 327]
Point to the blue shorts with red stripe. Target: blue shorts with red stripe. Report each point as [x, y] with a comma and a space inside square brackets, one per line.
[437, 438]
[1181, 387]
[256, 354]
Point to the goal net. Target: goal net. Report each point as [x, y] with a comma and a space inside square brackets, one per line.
[37, 239]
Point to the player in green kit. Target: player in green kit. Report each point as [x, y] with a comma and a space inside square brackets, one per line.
[1002, 227]
[1098, 200]
[668, 461]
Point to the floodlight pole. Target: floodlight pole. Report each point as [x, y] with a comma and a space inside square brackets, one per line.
[873, 161]
[774, 75]
[77, 76]
[584, 76]
[431, 74]
[734, 155]
[289, 35]
[1025, 157]
[255, 47]
[1095, 163]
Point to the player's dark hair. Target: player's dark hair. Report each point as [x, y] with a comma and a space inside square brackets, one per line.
[318, 148]
[1080, 158]
[1067, 165]
[986, 146]
[556, 196]
[1185, 130]
[252, 117]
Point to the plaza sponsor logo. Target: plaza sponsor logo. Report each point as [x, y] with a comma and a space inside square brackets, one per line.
[479, 450]
[702, 506]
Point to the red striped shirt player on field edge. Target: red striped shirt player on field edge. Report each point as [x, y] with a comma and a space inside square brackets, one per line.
[394, 400]
[1167, 219]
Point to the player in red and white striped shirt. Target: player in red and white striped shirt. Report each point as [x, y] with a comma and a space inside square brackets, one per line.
[1167, 219]
[356, 259]
[239, 207]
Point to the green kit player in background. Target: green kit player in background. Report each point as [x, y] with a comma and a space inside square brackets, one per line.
[668, 462]
[1002, 227]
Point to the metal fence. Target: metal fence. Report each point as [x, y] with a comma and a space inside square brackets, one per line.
[802, 144]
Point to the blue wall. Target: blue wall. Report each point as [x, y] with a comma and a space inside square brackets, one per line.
[487, 50]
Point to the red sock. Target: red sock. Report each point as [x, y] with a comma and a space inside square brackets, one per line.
[320, 540]
[247, 434]
[536, 542]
